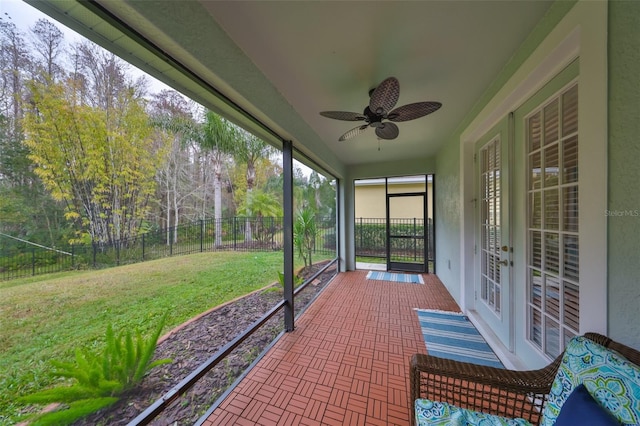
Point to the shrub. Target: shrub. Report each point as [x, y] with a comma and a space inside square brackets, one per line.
[99, 380]
[297, 280]
[305, 232]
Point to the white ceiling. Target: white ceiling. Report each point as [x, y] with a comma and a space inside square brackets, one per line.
[327, 55]
[284, 62]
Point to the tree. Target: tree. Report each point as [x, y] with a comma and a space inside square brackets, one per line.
[37, 216]
[174, 130]
[14, 66]
[15, 62]
[48, 42]
[323, 194]
[101, 77]
[217, 138]
[265, 208]
[100, 163]
[248, 151]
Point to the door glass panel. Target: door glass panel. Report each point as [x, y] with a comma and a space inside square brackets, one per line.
[535, 284]
[570, 111]
[535, 131]
[535, 322]
[552, 337]
[551, 123]
[552, 296]
[551, 159]
[570, 160]
[553, 210]
[536, 209]
[571, 258]
[535, 168]
[536, 249]
[570, 208]
[490, 202]
[571, 316]
[551, 252]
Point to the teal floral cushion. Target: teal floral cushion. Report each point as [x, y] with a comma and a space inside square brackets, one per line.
[442, 414]
[609, 377]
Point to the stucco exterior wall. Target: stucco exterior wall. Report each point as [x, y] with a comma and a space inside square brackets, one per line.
[623, 215]
[370, 201]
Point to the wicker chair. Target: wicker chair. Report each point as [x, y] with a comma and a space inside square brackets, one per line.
[506, 393]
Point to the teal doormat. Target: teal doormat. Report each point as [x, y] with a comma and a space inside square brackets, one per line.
[451, 335]
[395, 277]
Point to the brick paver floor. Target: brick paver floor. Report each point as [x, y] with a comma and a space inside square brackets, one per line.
[346, 362]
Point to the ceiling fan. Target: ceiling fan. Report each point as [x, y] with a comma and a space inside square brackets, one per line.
[381, 101]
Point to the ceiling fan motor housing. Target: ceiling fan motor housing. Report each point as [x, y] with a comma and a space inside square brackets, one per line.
[381, 103]
[373, 117]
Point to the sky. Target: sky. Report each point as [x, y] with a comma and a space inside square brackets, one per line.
[24, 16]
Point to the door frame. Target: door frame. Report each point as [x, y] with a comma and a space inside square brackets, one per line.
[409, 266]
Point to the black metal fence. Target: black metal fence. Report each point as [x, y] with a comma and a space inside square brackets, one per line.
[371, 237]
[229, 234]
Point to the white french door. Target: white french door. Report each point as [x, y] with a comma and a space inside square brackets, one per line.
[493, 250]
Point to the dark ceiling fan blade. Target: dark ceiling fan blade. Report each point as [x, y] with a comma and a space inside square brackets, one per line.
[353, 132]
[385, 96]
[343, 115]
[387, 131]
[413, 111]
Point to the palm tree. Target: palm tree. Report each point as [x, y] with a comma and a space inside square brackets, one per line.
[262, 205]
[249, 152]
[219, 138]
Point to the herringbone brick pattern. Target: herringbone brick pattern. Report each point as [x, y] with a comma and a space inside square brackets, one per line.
[346, 362]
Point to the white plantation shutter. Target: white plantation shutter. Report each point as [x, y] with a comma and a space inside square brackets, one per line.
[553, 280]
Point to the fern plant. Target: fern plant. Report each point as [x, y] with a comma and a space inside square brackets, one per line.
[126, 361]
[297, 280]
[99, 380]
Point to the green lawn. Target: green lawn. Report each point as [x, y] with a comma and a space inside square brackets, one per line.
[47, 317]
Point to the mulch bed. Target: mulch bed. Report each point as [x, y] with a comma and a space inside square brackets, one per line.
[195, 342]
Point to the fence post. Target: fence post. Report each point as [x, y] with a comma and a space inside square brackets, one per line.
[117, 244]
[94, 253]
[33, 261]
[361, 242]
[235, 234]
[73, 256]
[171, 241]
[415, 241]
[201, 235]
[143, 247]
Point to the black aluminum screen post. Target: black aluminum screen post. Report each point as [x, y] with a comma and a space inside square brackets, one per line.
[287, 188]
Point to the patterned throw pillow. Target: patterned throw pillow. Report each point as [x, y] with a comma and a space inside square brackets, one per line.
[433, 413]
[609, 377]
